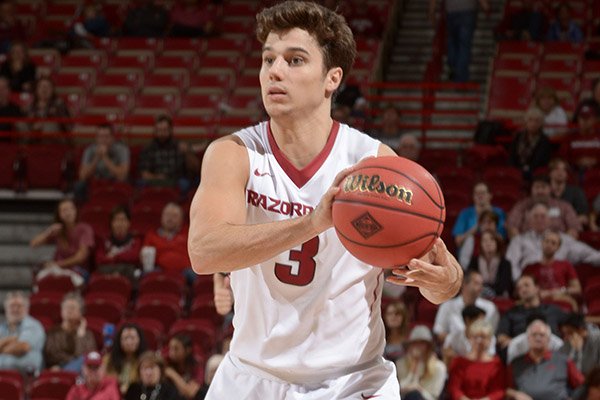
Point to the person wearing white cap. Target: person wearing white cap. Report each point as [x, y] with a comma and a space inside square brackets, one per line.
[95, 385]
[421, 373]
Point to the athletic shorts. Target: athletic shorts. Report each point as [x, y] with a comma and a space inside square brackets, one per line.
[235, 380]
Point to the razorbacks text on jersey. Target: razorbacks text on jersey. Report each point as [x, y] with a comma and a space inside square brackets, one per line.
[316, 308]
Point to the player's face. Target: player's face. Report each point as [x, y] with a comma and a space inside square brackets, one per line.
[293, 78]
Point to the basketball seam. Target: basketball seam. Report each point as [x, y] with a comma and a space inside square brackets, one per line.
[386, 246]
[410, 179]
[391, 209]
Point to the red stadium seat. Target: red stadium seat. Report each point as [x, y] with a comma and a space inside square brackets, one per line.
[559, 67]
[503, 304]
[52, 385]
[201, 331]
[156, 308]
[98, 216]
[203, 307]
[226, 46]
[457, 179]
[518, 49]
[96, 326]
[108, 103]
[69, 82]
[515, 66]
[104, 308]
[154, 104]
[219, 65]
[156, 197]
[52, 283]
[45, 166]
[153, 331]
[114, 284]
[10, 388]
[198, 105]
[131, 63]
[9, 164]
[164, 83]
[90, 62]
[563, 50]
[425, 312]
[509, 96]
[159, 283]
[113, 297]
[503, 176]
[591, 238]
[132, 43]
[144, 219]
[203, 284]
[127, 83]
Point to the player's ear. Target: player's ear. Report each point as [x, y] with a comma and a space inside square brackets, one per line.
[334, 79]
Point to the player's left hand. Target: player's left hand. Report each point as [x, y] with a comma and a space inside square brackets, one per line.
[437, 274]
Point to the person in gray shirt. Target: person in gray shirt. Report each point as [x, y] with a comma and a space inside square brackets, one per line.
[582, 344]
[21, 336]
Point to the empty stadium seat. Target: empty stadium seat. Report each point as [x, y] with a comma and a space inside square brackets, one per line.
[201, 331]
[11, 388]
[156, 308]
[9, 164]
[160, 283]
[45, 166]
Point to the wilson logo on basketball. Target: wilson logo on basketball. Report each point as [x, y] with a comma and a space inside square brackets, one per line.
[366, 183]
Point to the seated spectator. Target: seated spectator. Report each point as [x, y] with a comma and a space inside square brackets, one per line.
[581, 148]
[421, 373]
[8, 109]
[477, 374]
[152, 383]
[105, 159]
[212, 364]
[364, 21]
[409, 147]
[146, 18]
[123, 360]
[170, 241]
[396, 321]
[11, 28]
[95, 385]
[466, 222]
[494, 268]
[91, 24]
[458, 343]
[488, 221]
[557, 279]
[18, 69]
[182, 369]
[582, 344]
[194, 18]
[531, 149]
[514, 321]
[166, 161]
[449, 315]
[21, 336]
[555, 117]
[572, 194]
[526, 248]
[564, 29]
[69, 342]
[562, 215]
[390, 132]
[47, 104]
[519, 345]
[527, 23]
[74, 241]
[120, 252]
[542, 373]
[590, 390]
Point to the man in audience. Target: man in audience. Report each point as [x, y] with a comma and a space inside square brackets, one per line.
[562, 215]
[68, 342]
[390, 132]
[449, 316]
[542, 373]
[526, 248]
[581, 148]
[557, 279]
[166, 161]
[21, 336]
[514, 321]
[8, 109]
[409, 147]
[148, 18]
[582, 344]
[170, 242]
[106, 159]
[457, 343]
[96, 385]
[572, 194]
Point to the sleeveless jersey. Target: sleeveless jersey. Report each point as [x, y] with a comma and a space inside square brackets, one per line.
[313, 311]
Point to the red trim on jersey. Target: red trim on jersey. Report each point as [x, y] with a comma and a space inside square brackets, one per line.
[301, 176]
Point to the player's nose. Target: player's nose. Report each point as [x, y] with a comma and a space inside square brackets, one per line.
[276, 69]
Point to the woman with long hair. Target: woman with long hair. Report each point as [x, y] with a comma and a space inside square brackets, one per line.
[47, 104]
[18, 68]
[396, 321]
[493, 266]
[182, 369]
[123, 359]
[151, 384]
[420, 372]
[74, 241]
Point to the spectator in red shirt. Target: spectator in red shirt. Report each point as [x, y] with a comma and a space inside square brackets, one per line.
[182, 368]
[96, 385]
[120, 252]
[170, 241]
[478, 375]
[557, 279]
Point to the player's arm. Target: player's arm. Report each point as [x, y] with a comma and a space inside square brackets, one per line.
[437, 274]
[219, 238]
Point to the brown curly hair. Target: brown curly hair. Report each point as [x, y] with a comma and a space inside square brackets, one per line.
[329, 29]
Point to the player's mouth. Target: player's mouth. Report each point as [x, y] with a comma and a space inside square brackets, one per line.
[276, 92]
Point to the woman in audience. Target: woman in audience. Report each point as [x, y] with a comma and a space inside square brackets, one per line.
[478, 375]
[493, 266]
[564, 29]
[120, 252]
[123, 360]
[396, 330]
[531, 148]
[182, 369]
[74, 241]
[420, 372]
[47, 104]
[152, 384]
[555, 117]
[18, 68]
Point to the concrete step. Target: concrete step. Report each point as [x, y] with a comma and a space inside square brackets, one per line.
[22, 254]
[19, 233]
[16, 277]
[23, 217]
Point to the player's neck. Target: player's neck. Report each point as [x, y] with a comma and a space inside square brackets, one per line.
[301, 140]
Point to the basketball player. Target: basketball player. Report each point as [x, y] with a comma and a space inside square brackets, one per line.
[307, 313]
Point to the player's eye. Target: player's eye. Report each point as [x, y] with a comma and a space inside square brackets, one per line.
[296, 60]
[267, 60]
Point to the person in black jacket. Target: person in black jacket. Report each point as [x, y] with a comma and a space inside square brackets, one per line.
[493, 266]
[531, 148]
[151, 384]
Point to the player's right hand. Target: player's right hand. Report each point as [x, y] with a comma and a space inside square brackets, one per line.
[223, 296]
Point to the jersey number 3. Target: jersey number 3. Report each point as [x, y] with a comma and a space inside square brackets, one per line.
[303, 273]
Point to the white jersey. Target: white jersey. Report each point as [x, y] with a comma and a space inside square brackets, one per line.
[314, 311]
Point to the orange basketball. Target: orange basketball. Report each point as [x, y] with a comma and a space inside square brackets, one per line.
[388, 211]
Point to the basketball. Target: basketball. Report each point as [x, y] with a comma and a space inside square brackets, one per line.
[388, 211]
